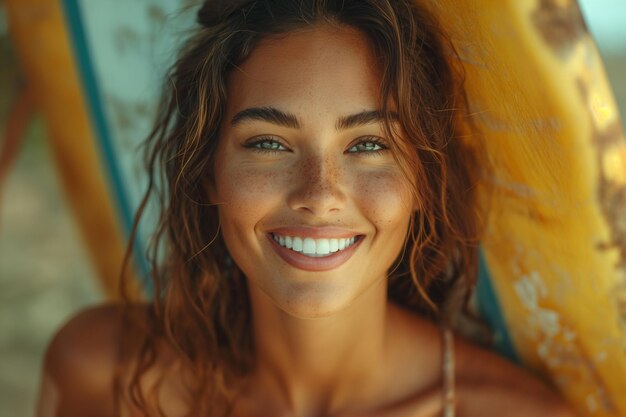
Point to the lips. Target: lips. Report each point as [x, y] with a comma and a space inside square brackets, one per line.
[314, 249]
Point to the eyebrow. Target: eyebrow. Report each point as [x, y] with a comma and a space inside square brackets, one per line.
[266, 114]
[365, 118]
[281, 118]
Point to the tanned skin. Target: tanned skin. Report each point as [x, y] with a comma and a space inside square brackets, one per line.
[329, 343]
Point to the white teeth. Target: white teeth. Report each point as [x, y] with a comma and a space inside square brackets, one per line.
[313, 247]
[297, 244]
[308, 246]
[322, 247]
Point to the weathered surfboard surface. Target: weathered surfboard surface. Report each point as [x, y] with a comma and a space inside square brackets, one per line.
[555, 242]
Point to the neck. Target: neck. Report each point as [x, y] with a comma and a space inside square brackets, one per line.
[320, 364]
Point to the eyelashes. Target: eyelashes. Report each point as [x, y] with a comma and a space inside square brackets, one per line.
[265, 144]
[366, 146]
[370, 146]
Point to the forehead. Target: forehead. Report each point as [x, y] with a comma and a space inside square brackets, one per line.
[328, 68]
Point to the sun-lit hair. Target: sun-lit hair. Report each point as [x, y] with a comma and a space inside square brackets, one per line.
[200, 303]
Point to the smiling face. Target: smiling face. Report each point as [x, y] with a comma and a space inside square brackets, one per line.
[312, 205]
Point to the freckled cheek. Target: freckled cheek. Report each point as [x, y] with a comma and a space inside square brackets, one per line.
[245, 190]
[384, 197]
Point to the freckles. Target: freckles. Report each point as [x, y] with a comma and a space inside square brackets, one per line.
[335, 175]
[320, 180]
[245, 188]
[384, 195]
[311, 171]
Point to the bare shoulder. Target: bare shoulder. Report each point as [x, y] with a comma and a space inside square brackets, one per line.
[489, 385]
[80, 363]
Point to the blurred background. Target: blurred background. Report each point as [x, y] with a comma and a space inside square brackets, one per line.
[45, 273]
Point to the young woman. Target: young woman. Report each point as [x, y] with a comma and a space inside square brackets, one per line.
[318, 217]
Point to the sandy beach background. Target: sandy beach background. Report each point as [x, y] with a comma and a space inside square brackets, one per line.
[44, 273]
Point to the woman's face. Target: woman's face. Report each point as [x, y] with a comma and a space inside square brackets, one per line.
[312, 205]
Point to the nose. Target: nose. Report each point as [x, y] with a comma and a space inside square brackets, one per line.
[318, 188]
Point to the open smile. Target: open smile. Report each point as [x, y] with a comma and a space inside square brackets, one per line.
[314, 254]
[314, 247]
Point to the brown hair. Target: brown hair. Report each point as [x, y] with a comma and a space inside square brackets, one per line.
[200, 301]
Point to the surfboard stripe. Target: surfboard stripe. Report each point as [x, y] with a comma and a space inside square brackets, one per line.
[41, 40]
[73, 15]
[490, 310]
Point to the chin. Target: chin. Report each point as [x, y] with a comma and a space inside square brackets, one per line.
[311, 301]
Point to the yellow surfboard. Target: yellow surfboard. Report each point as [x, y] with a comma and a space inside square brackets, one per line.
[555, 242]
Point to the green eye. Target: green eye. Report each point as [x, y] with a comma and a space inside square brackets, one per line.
[368, 146]
[265, 145]
[269, 145]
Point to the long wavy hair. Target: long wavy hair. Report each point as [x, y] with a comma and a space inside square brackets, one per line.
[200, 302]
